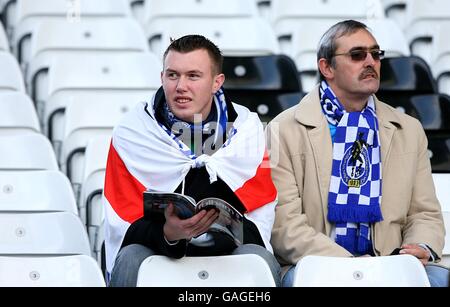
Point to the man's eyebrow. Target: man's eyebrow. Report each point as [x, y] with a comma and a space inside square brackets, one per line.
[194, 71]
[376, 46]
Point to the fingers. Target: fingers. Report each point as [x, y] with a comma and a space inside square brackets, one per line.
[415, 250]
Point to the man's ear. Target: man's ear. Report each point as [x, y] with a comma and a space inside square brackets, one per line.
[218, 82]
[326, 69]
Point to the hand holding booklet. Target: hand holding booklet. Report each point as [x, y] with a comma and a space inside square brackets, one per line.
[229, 222]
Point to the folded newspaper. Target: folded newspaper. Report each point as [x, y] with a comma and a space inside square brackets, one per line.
[230, 221]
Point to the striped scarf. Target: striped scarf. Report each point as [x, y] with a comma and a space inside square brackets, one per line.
[355, 188]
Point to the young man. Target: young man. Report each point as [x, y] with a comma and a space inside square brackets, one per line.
[353, 174]
[190, 139]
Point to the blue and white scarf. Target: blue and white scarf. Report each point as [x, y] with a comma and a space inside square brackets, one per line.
[354, 197]
[221, 124]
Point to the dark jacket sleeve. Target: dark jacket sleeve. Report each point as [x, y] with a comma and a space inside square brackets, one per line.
[150, 234]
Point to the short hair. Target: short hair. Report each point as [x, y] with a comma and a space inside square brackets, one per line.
[327, 44]
[190, 43]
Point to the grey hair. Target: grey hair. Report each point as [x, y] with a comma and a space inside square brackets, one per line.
[327, 44]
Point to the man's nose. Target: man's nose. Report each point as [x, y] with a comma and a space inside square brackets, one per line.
[181, 85]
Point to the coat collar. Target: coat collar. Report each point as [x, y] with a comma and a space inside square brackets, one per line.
[309, 113]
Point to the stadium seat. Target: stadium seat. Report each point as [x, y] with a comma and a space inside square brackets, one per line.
[42, 233]
[96, 36]
[286, 13]
[235, 36]
[445, 261]
[406, 74]
[4, 45]
[442, 184]
[60, 271]
[423, 19]
[137, 8]
[221, 271]
[389, 36]
[439, 150]
[85, 120]
[30, 13]
[8, 11]
[26, 152]
[11, 78]
[256, 82]
[17, 114]
[91, 206]
[135, 74]
[384, 271]
[432, 110]
[441, 58]
[174, 10]
[395, 10]
[36, 191]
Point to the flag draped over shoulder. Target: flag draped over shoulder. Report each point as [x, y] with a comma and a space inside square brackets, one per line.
[143, 156]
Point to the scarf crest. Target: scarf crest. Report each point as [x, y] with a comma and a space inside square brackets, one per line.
[354, 197]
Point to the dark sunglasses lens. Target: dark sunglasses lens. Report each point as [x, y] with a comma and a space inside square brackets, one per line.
[376, 55]
[358, 55]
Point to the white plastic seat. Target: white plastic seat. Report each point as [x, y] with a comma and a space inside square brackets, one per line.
[30, 13]
[389, 36]
[222, 271]
[383, 271]
[395, 10]
[286, 13]
[137, 73]
[27, 152]
[235, 36]
[17, 114]
[42, 233]
[85, 120]
[423, 19]
[4, 45]
[91, 206]
[61, 271]
[137, 8]
[11, 78]
[174, 9]
[97, 36]
[440, 57]
[36, 191]
[442, 184]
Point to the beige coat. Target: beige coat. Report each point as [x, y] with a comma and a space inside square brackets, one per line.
[301, 154]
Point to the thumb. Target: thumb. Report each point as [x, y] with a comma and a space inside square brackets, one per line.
[169, 210]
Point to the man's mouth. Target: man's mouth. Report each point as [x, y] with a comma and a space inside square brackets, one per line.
[368, 75]
[182, 99]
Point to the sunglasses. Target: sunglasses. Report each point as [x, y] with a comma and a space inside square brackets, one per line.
[360, 54]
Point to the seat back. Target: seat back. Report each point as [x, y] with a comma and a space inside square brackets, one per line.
[222, 271]
[61, 271]
[42, 233]
[30, 13]
[91, 205]
[406, 74]
[17, 114]
[432, 110]
[173, 9]
[86, 120]
[27, 152]
[11, 78]
[36, 191]
[256, 82]
[439, 150]
[235, 36]
[60, 37]
[4, 45]
[383, 271]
